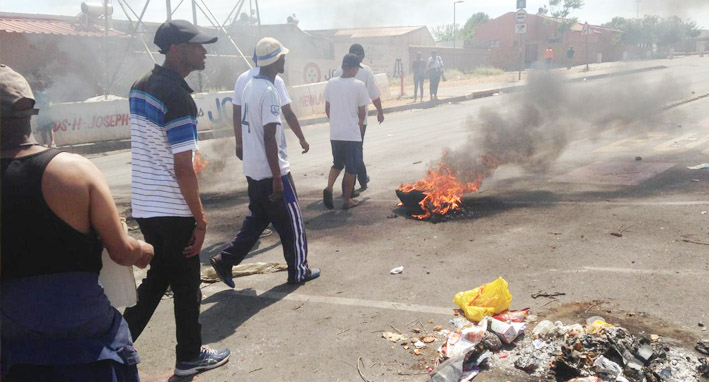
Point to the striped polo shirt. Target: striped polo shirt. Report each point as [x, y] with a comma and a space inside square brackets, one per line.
[163, 122]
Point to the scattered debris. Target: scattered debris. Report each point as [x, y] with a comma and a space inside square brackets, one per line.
[687, 240]
[397, 270]
[241, 270]
[638, 158]
[437, 328]
[393, 216]
[395, 337]
[695, 180]
[359, 361]
[513, 315]
[703, 347]
[622, 229]
[549, 295]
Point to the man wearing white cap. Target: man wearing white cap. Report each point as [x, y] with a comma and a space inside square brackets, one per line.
[272, 195]
[286, 108]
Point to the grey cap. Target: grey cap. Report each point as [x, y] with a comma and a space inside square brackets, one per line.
[15, 94]
[180, 32]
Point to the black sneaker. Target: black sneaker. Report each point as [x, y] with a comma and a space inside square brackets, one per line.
[223, 271]
[206, 360]
[313, 273]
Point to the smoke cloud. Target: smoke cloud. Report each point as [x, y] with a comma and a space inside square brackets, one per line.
[536, 127]
[677, 7]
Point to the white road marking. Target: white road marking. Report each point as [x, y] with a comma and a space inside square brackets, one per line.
[674, 143]
[394, 202]
[404, 307]
[416, 308]
[611, 203]
[666, 272]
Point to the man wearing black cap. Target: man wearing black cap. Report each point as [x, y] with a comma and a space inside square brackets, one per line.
[165, 197]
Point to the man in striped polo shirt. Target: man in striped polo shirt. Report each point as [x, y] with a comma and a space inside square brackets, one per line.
[272, 196]
[165, 194]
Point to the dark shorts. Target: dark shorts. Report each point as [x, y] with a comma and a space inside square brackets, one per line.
[347, 155]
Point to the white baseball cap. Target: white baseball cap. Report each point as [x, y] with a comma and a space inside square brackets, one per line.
[268, 51]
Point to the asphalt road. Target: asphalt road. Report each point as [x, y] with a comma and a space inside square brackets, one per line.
[544, 230]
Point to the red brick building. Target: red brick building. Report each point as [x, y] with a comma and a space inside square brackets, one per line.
[543, 32]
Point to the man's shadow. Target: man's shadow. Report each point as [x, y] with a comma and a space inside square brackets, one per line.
[234, 307]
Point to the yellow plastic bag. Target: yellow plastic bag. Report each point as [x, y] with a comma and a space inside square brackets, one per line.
[485, 300]
[598, 326]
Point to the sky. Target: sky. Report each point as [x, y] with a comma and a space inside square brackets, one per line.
[322, 14]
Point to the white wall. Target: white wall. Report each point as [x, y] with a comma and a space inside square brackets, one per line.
[87, 122]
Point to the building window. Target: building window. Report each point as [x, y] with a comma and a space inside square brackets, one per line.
[494, 44]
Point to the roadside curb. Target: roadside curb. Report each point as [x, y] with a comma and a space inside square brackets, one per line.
[100, 147]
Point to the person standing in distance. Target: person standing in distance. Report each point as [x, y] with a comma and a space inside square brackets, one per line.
[165, 194]
[272, 194]
[364, 74]
[419, 69]
[434, 67]
[346, 100]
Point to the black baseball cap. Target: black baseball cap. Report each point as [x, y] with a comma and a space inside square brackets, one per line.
[357, 49]
[350, 61]
[180, 32]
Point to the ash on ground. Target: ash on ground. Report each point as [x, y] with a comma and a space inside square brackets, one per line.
[594, 352]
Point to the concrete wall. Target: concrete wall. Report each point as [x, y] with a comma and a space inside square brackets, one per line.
[453, 58]
[87, 122]
[382, 52]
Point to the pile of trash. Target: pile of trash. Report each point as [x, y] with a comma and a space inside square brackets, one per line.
[492, 337]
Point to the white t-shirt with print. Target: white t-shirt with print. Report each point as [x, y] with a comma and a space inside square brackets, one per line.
[366, 75]
[345, 95]
[251, 73]
[261, 106]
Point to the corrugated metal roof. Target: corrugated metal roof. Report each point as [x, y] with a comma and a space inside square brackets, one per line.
[368, 32]
[51, 26]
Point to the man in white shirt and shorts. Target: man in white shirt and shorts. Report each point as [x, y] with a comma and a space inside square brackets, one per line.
[365, 75]
[346, 99]
[272, 195]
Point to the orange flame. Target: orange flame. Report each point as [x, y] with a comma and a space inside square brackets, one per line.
[199, 163]
[443, 190]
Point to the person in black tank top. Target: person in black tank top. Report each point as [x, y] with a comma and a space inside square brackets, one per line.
[56, 323]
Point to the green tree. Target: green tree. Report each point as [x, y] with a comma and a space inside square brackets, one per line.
[443, 32]
[561, 10]
[653, 31]
[468, 31]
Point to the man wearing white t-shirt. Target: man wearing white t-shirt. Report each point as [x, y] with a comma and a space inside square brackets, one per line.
[272, 196]
[288, 113]
[286, 108]
[346, 99]
[365, 75]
